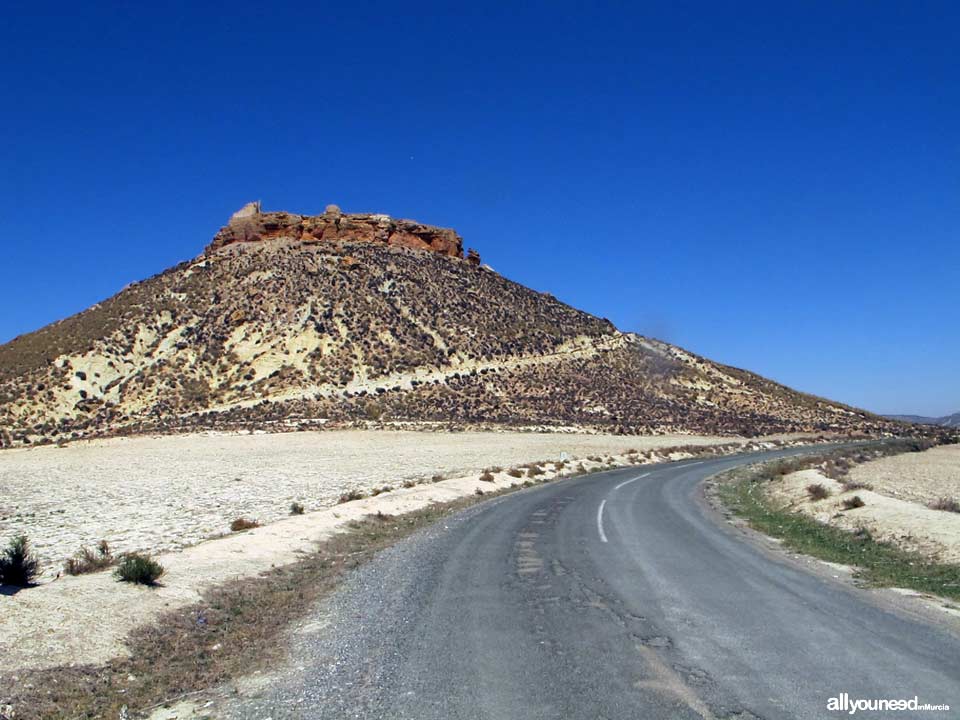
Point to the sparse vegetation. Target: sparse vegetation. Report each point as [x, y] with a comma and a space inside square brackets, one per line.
[852, 503]
[409, 483]
[849, 485]
[88, 561]
[241, 523]
[879, 563]
[246, 619]
[18, 565]
[380, 490]
[479, 491]
[817, 491]
[946, 504]
[296, 508]
[437, 478]
[351, 495]
[534, 471]
[515, 472]
[139, 568]
[487, 476]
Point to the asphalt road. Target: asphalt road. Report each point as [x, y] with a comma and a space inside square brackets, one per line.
[618, 595]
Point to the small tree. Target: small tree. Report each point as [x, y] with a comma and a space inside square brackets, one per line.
[18, 565]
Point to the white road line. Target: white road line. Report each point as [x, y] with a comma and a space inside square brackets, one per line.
[603, 535]
[698, 462]
[627, 482]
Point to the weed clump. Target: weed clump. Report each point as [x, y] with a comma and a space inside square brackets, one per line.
[139, 569]
[817, 491]
[296, 508]
[515, 473]
[89, 561]
[350, 495]
[487, 476]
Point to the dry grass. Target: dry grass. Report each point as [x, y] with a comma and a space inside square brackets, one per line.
[87, 560]
[487, 476]
[946, 504]
[242, 523]
[351, 495]
[817, 491]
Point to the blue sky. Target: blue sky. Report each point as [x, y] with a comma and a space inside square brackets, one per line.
[772, 185]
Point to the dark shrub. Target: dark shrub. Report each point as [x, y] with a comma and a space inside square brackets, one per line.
[138, 568]
[18, 565]
[296, 508]
[817, 491]
[853, 502]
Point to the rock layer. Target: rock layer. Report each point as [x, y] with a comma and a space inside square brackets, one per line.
[250, 224]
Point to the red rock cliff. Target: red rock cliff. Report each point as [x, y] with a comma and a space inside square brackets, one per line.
[250, 225]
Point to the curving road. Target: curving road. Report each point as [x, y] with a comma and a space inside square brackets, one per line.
[617, 595]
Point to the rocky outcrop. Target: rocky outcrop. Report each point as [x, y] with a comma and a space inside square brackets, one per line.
[250, 224]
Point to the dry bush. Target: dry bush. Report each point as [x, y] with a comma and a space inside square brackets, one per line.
[89, 561]
[242, 523]
[856, 485]
[487, 476]
[817, 491]
[515, 473]
[350, 495]
[437, 478]
[946, 504]
[409, 483]
[534, 470]
[296, 508]
[853, 502]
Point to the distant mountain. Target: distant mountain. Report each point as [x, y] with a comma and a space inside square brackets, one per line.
[289, 321]
[946, 421]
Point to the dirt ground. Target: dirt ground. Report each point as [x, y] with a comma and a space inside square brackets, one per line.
[918, 477]
[158, 494]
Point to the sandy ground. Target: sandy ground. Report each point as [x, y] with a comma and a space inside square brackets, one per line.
[911, 525]
[178, 483]
[919, 477]
[158, 494]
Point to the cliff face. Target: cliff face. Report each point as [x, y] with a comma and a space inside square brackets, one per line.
[250, 224]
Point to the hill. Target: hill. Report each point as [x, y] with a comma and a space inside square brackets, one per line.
[288, 321]
[946, 420]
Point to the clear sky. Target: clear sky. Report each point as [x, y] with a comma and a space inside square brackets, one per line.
[774, 185]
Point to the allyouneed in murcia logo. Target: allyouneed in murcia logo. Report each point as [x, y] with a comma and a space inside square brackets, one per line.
[844, 703]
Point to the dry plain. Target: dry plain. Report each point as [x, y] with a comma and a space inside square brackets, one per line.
[159, 494]
[896, 492]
